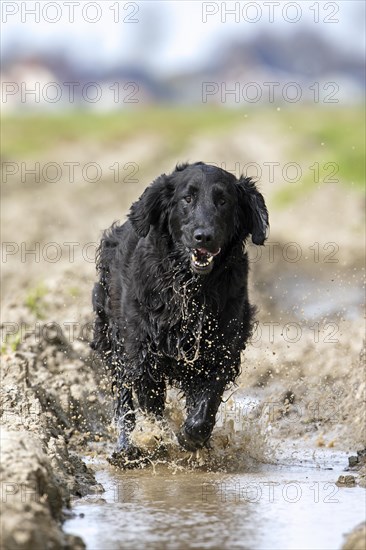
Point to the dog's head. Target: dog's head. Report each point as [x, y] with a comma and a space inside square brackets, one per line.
[204, 209]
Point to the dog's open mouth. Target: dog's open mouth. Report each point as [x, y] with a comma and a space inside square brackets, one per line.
[202, 260]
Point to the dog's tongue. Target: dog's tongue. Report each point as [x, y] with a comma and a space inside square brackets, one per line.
[205, 252]
[202, 252]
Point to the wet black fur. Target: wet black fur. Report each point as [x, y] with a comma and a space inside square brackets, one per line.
[159, 323]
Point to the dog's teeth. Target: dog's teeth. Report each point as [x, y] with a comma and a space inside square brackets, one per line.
[200, 262]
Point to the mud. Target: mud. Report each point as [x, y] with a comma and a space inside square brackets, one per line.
[299, 402]
[356, 539]
[45, 391]
[264, 507]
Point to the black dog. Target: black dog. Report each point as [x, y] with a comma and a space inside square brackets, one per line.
[172, 302]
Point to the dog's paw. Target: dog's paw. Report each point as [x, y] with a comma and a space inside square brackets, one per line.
[128, 458]
[189, 442]
[160, 453]
[132, 457]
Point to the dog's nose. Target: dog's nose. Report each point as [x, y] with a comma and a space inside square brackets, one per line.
[202, 236]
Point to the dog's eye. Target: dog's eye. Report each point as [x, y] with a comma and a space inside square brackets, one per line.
[188, 198]
[222, 202]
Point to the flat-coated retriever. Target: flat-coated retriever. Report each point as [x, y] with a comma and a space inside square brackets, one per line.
[172, 302]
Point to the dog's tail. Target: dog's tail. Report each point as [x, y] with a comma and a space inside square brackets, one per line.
[99, 301]
[106, 341]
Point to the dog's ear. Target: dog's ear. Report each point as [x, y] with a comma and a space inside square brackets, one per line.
[252, 215]
[183, 165]
[152, 206]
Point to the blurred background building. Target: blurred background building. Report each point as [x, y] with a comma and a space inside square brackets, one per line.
[109, 56]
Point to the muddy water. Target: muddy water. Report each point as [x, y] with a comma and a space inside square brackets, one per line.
[230, 497]
[294, 506]
[320, 299]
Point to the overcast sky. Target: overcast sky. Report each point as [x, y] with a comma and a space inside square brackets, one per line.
[169, 36]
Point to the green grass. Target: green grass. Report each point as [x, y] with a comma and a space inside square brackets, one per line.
[315, 134]
[332, 141]
[34, 301]
[31, 135]
[11, 343]
[74, 291]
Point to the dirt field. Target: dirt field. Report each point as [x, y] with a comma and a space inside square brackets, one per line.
[302, 389]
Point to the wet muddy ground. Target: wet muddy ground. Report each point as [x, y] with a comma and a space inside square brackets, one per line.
[263, 507]
[284, 434]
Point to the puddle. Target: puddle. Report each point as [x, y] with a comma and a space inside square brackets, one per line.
[268, 507]
[311, 298]
[238, 501]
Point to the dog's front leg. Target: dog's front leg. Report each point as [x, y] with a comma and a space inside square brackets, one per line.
[151, 395]
[125, 419]
[202, 406]
[125, 452]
